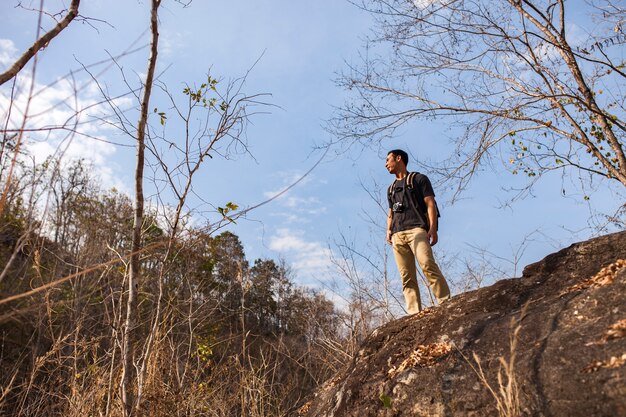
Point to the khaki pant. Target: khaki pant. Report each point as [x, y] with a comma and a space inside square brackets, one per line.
[409, 245]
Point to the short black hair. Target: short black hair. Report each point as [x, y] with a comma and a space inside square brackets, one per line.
[403, 155]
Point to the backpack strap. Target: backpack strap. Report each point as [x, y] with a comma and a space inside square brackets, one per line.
[409, 179]
[390, 189]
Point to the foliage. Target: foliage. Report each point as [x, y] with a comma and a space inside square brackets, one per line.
[229, 330]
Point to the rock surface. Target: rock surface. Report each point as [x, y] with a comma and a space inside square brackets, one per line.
[566, 317]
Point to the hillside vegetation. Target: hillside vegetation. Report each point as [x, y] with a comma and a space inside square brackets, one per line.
[233, 337]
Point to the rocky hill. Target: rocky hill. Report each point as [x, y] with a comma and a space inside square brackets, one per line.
[551, 343]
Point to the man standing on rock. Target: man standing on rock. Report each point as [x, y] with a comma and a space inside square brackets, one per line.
[412, 230]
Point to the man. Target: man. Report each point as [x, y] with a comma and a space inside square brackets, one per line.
[412, 230]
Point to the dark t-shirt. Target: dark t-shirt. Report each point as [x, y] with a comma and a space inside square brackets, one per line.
[407, 218]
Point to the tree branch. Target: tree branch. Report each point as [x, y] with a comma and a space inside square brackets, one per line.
[40, 43]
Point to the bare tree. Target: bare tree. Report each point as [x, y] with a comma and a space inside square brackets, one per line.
[538, 84]
[131, 313]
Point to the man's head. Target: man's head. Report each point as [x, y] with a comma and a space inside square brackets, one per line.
[396, 161]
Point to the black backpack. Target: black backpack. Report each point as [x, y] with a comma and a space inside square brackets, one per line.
[415, 198]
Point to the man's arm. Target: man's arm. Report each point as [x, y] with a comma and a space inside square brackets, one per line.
[432, 219]
[389, 217]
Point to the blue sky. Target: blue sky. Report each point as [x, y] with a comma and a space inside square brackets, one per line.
[300, 47]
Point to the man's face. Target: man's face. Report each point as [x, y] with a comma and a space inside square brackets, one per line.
[392, 163]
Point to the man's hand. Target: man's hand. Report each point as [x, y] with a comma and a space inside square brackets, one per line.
[431, 206]
[389, 221]
[432, 237]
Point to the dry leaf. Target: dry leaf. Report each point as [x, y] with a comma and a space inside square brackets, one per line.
[614, 362]
[615, 331]
[424, 356]
[604, 277]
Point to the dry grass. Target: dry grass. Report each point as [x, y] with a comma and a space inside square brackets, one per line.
[505, 391]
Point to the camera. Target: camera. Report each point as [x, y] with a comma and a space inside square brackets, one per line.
[397, 207]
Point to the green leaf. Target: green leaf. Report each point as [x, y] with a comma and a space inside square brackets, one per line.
[386, 400]
[230, 206]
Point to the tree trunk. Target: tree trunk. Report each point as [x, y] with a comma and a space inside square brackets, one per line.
[135, 267]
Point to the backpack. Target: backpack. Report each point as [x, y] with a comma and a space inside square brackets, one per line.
[417, 203]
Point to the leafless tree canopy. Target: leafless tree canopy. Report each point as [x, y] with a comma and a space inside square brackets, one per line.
[537, 84]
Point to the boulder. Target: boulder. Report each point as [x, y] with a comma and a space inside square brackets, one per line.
[551, 343]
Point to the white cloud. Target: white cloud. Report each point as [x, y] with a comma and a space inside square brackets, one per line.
[287, 178]
[422, 4]
[309, 258]
[142, 76]
[299, 209]
[73, 117]
[295, 202]
[310, 206]
[171, 42]
[8, 53]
